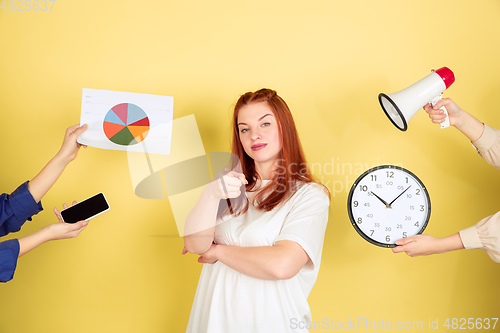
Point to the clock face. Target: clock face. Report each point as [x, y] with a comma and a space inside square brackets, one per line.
[387, 203]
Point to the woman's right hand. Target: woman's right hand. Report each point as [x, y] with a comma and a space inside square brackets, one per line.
[438, 116]
[228, 186]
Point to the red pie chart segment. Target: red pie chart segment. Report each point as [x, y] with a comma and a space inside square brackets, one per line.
[142, 122]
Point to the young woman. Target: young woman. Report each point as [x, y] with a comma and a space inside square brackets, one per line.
[485, 234]
[260, 231]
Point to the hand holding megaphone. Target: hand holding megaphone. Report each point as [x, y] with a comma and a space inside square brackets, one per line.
[446, 122]
[450, 114]
[401, 106]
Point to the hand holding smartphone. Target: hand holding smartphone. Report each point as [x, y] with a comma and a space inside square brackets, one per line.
[86, 209]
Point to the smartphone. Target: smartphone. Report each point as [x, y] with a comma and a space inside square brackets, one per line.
[86, 209]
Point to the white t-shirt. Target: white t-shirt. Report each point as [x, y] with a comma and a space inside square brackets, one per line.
[227, 301]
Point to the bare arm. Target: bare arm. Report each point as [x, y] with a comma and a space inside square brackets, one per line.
[463, 121]
[44, 180]
[422, 245]
[281, 261]
[200, 222]
[470, 126]
[54, 231]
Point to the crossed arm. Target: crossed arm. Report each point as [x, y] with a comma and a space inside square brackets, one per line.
[279, 262]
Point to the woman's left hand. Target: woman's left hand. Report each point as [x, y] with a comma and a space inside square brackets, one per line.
[207, 257]
[70, 146]
[64, 230]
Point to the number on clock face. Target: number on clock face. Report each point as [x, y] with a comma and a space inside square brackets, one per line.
[387, 203]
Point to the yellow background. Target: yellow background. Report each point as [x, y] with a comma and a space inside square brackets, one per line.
[329, 60]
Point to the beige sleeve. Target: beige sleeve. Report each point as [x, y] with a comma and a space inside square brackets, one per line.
[488, 146]
[484, 235]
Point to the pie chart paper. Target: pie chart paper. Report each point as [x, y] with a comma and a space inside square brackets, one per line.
[127, 121]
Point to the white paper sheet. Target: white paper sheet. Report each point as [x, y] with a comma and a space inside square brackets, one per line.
[127, 121]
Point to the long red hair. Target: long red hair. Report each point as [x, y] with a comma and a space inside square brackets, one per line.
[291, 166]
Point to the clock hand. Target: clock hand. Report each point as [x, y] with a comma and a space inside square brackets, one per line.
[383, 201]
[398, 196]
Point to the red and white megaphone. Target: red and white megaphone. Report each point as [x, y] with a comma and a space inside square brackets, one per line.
[401, 106]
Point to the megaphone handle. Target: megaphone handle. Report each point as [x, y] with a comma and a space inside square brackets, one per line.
[446, 122]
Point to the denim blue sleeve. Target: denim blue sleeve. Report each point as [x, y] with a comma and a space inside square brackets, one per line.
[9, 251]
[16, 208]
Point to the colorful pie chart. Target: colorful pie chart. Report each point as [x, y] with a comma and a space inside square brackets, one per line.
[126, 124]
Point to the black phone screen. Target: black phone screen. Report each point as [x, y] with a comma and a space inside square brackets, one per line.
[85, 209]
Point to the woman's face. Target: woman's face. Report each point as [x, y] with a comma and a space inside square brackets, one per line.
[259, 133]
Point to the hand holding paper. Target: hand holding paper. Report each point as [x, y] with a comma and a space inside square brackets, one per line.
[127, 121]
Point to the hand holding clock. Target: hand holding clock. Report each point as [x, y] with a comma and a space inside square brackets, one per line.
[423, 245]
